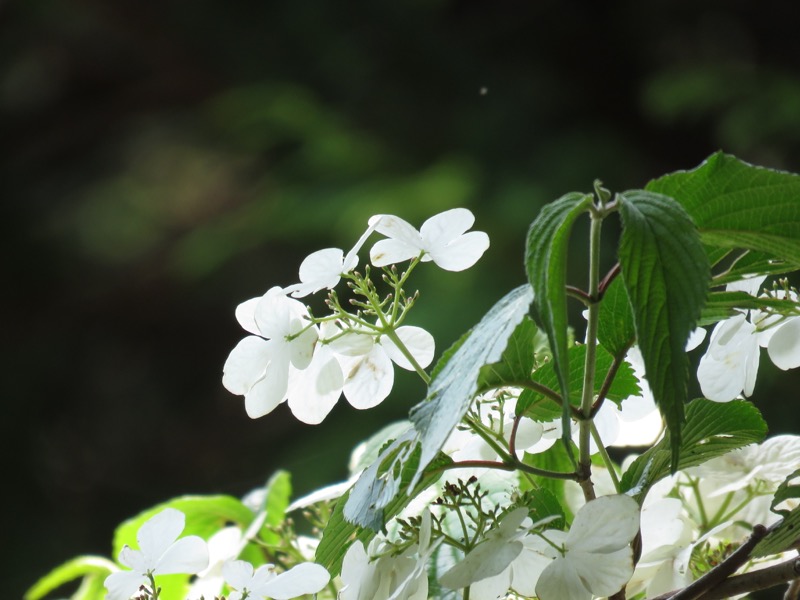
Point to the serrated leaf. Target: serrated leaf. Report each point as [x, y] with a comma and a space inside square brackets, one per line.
[517, 361]
[616, 331]
[553, 459]
[546, 265]
[786, 534]
[539, 408]
[712, 429]
[666, 275]
[340, 532]
[749, 263]
[79, 567]
[738, 205]
[205, 515]
[450, 393]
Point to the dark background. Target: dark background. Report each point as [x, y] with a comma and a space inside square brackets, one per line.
[164, 161]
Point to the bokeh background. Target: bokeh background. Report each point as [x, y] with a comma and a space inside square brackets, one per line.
[164, 161]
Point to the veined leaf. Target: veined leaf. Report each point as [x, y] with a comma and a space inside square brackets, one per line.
[80, 567]
[341, 530]
[666, 275]
[539, 408]
[786, 534]
[517, 360]
[712, 429]
[450, 393]
[738, 205]
[721, 305]
[546, 265]
[615, 329]
[276, 500]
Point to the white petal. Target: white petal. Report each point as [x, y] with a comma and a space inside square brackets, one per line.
[784, 346]
[750, 285]
[123, 584]
[314, 392]
[717, 380]
[160, 531]
[606, 573]
[305, 578]
[320, 269]
[487, 559]
[695, 338]
[369, 379]
[262, 399]
[301, 348]
[246, 315]
[560, 581]
[238, 573]
[398, 229]
[187, 555]
[462, 253]
[351, 260]
[605, 524]
[135, 559]
[246, 365]
[417, 341]
[391, 251]
[446, 226]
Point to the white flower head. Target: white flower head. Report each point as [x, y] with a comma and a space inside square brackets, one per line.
[597, 558]
[263, 582]
[442, 239]
[160, 553]
[258, 367]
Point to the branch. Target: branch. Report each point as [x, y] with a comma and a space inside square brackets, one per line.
[725, 569]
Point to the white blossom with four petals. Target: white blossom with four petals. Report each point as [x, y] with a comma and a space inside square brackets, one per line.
[264, 582]
[160, 553]
[443, 239]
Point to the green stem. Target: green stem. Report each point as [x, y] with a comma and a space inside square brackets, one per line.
[606, 458]
[587, 398]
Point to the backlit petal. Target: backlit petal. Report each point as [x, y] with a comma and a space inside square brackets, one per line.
[462, 253]
[419, 343]
[246, 365]
[784, 345]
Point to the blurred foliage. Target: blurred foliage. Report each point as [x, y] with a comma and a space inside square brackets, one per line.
[163, 162]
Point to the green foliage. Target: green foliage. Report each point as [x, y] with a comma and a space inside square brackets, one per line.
[546, 265]
[541, 504]
[616, 331]
[666, 275]
[93, 570]
[517, 361]
[712, 429]
[276, 499]
[450, 393]
[738, 205]
[540, 408]
[721, 305]
[787, 532]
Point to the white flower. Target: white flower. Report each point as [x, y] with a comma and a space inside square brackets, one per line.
[323, 269]
[780, 336]
[305, 578]
[388, 577]
[597, 558]
[441, 238]
[160, 553]
[258, 367]
[730, 365]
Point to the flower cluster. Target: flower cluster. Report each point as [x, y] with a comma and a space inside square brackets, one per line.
[308, 361]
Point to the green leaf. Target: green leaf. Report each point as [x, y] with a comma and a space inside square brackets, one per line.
[616, 331]
[450, 393]
[666, 275]
[276, 500]
[205, 515]
[448, 354]
[721, 305]
[518, 359]
[542, 503]
[786, 534]
[546, 265]
[712, 429]
[80, 567]
[749, 263]
[738, 205]
[341, 532]
[539, 408]
[554, 459]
